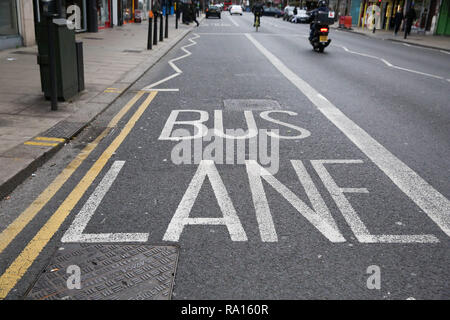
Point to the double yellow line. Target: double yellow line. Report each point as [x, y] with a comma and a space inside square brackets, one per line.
[21, 264]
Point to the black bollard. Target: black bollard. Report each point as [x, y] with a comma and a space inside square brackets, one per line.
[52, 64]
[161, 29]
[155, 30]
[149, 36]
[167, 25]
[177, 16]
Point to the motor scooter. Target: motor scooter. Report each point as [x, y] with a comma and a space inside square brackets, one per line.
[321, 22]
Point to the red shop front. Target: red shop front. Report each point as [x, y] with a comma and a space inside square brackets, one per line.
[104, 13]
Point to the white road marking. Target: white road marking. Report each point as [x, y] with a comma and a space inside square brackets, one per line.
[216, 24]
[181, 218]
[320, 218]
[433, 203]
[443, 51]
[391, 65]
[243, 34]
[234, 22]
[249, 118]
[75, 231]
[163, 90]
[358, 227]
[178, 71]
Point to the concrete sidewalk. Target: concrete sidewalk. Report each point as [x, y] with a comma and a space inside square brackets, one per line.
[30, 132]
[427, 41]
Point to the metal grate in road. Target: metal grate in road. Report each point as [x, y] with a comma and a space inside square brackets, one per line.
[109, 272]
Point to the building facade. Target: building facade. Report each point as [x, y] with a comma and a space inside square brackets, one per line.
[16, 23]
[433, 16]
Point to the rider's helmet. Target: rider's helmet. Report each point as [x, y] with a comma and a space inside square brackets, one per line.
[322, 3]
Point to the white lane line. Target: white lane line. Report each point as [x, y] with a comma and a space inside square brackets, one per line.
[243, 34]
[178, 71]
[162, 90]
[234, 22]
[391, 65]
[433, 203]
[75, 231]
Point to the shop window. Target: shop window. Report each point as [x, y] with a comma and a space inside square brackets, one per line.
[8, 18]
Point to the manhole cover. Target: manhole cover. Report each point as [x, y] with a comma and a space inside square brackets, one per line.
[250, 104]
[108, 272]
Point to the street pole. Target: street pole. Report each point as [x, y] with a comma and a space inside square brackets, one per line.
[161, 28]
[166, 34]
[149, 36]
[155, 29]
[177, 15]
[52, 64]
[111, 22]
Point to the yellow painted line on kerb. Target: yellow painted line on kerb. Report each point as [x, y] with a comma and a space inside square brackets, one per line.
[26, 258]
[43, 144]
[51, 142]
[13, 229]
[50, 139]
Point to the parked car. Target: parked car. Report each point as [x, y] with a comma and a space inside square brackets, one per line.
[273, 12]
[212, 11]
[301, 17]
[288, 13]
[234, 9]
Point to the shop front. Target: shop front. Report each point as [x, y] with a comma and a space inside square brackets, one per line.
[425, 11]
[103, 13]
[443, 24]
[9, 26]
[385, 10]
[375, 13]
[133, 10]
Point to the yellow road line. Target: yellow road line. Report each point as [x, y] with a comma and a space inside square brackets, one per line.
[13, 229]
[26, 258]
[124, 110]
[49, 139]
[45, 144]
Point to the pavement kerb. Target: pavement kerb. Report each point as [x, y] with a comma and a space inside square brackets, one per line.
[390, 39]
[28, 163]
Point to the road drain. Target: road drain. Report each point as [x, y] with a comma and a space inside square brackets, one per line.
[108, 272]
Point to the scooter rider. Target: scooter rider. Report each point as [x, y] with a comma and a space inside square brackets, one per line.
[321, 6]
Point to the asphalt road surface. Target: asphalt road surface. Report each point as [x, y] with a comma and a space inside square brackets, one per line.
[349, 201]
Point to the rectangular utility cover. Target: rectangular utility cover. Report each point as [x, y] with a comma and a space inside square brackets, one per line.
[108, 272]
